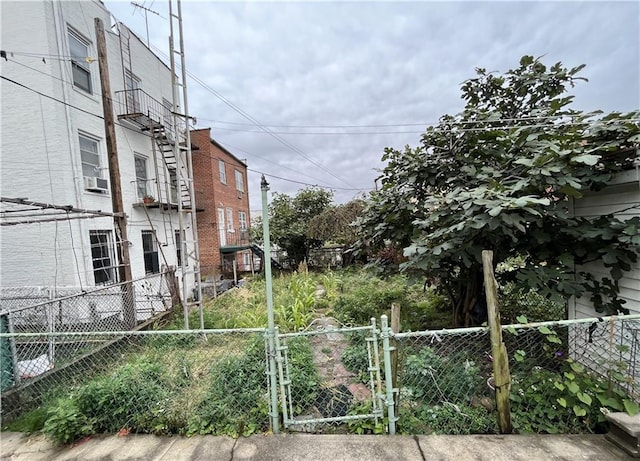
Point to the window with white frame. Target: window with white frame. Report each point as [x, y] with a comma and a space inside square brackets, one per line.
[141, 176]
[90, 156]
[242, 220]
[103, 256]
[230, 219]
[223, 172]
[150, 252]
[80, 70]
[239, 181]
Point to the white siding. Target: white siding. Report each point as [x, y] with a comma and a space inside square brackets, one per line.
[40, 151]
[623, 200]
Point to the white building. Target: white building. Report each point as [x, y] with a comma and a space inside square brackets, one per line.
[53, 147]
[621, 198]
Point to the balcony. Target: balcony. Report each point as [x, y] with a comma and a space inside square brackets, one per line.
[234, 240]
[168, 204]
[142, 110]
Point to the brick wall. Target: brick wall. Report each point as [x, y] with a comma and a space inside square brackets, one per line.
[217, 195]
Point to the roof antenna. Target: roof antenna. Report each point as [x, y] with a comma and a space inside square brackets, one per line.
[146, 18]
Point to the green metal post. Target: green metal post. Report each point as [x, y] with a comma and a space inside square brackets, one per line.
[271, 333]
[386, 348]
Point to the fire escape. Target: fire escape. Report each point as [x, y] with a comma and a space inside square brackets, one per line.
[169, 130]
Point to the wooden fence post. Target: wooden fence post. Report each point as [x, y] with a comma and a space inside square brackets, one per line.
[395, 327]
[501, 377]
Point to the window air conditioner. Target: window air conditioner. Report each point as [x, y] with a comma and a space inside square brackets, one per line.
[240, 194]
[96, 184]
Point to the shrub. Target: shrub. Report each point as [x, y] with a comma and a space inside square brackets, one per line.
[449, 419]
[436, 378]
[66, 422]
[515, 301]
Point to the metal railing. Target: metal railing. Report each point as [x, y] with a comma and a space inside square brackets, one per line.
[101, 309]
[215, 381]
[562, 373]
[131, 104]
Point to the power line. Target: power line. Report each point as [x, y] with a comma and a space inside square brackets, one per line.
[254, 121]
[235, 148]
[308, 184]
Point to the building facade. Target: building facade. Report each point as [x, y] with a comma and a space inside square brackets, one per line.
[223, 224]
[621, 198]
[54, 147]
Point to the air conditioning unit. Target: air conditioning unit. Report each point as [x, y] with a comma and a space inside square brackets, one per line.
[240, 194]
[96, 184]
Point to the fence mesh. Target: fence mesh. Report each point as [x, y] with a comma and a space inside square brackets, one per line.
[159, 382]
[564, 377]
[110, 308]
[444, 382]
[329, 377]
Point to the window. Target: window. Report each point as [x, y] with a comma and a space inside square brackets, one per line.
[131, 85]
[103, 256]
[80, 70]
[141, 175]
[150, 252]
[239, 181]
[242, 220]
[90, 157]
[246, 260]
[178, 241]
[223, 173]
[230, 219]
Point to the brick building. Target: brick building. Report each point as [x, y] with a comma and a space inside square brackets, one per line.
[223, 225]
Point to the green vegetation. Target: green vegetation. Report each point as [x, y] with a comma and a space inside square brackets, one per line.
[191, 384]
[566, 397]
[499, 176]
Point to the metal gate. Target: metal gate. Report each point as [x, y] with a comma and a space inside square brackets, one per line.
[341, 395]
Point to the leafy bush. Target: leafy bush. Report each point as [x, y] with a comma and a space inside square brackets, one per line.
[236, 403]
[515, 302]
[66, 422]
[433, 377]
[368, 297]
[125, 398]
[355, 356]
[567, 400]
[448, 419]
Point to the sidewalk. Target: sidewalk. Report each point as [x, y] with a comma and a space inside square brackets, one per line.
[298, 447]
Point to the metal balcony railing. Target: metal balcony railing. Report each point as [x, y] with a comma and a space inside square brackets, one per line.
[142, 109]
[236, 237]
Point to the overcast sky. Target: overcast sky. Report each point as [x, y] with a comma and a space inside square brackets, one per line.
[337, 82]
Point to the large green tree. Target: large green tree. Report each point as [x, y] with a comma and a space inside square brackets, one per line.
[501, 175]
[289, 219]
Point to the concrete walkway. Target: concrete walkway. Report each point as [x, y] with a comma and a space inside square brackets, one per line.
[299, 447]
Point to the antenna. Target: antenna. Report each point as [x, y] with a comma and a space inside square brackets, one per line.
[146, 18]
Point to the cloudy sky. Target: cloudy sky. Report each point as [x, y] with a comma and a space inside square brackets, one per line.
[336, 82]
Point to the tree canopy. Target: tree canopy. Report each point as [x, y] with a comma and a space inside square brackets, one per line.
[335, 223]
[289, 219]
[501, 175]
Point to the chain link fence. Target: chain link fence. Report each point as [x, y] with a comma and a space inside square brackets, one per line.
[564, 376]
[329, 376]
[110, 308]
[162, 382]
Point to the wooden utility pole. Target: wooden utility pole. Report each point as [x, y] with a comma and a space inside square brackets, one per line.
[120, 219]
[501, 377]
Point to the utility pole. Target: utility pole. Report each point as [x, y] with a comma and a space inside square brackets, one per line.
[120, 218]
